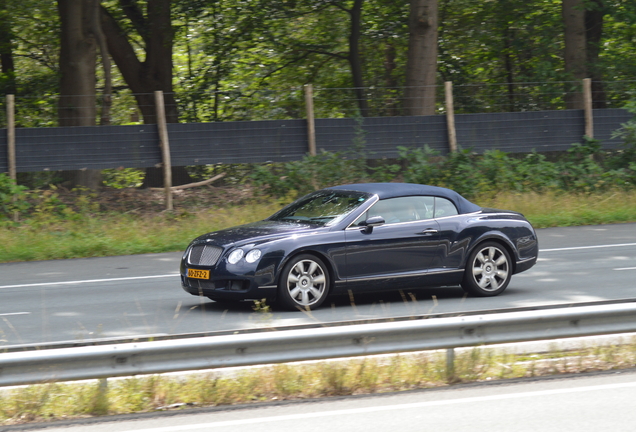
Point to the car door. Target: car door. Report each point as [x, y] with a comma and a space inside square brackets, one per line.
[402, 248]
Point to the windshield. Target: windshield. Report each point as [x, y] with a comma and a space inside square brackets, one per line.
[325, 207]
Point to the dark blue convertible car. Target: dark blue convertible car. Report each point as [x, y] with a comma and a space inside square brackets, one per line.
[362, 237]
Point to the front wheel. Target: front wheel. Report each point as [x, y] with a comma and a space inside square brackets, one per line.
[488, 270]
[304, 283]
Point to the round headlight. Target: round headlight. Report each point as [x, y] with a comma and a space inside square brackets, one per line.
[253, 255]
[235, 256]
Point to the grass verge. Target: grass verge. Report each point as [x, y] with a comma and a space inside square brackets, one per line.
[369, 375]
[94, 234]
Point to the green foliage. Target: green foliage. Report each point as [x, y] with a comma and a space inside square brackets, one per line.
[585, 167]
[121, 178]
[12, 198]
[309, 174]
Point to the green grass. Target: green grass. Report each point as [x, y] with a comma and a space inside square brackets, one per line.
[551, 209]
[88, 234]
[97, 235]
[299, 381]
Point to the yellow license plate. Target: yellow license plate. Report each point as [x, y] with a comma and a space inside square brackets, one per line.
[198, 274]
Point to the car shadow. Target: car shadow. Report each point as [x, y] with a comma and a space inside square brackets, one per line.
[340, 301]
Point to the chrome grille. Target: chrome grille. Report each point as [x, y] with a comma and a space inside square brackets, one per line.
[204, 255]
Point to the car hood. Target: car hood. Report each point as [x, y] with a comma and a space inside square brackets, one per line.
[256, 232]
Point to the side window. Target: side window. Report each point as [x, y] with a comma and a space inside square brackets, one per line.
[444, 207]
[398, 210]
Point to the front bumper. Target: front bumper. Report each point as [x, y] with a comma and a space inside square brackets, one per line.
[228, 289]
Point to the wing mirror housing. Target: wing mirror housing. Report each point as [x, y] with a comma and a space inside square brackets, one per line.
[367, 225]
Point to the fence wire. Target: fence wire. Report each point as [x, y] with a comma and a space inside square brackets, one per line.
[125, 108]
[270, 125]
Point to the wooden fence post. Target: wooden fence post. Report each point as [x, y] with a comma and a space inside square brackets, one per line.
[587, 101]
[165, 147]
[450, 117]
[11, 162]
[311, 127]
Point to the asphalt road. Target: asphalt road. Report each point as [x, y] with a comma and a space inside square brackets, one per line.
[128, 296]
[588, 403]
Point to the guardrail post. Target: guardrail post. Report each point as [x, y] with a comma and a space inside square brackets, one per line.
[450, 365]
[100, 402]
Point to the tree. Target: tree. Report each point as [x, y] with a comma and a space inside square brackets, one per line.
[575, 48]
[77, 73]
[155, 34]
[594, 15]
[421, 66]
[6, 49]
[355, 62]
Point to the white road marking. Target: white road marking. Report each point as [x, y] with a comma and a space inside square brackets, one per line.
[88, 281]
[177, 274]
[365, 410]
[587, 247]
[625, 268]
[15, 313]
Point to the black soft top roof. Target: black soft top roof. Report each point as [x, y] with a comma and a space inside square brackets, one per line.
[393, 190]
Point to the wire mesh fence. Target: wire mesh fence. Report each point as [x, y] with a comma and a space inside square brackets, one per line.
[60, 133]
[124, 107]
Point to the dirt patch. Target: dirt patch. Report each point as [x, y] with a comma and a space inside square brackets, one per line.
[150, 201]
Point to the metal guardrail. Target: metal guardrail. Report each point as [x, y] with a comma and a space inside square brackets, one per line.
[162, 336]
[129, 359]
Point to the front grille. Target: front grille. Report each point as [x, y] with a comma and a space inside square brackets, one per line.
[205, 255]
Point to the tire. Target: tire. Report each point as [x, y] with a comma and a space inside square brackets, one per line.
[304, 283]
[488, 270]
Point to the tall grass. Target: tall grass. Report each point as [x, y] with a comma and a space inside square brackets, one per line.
[300, 381]
[551, 208]
[119, 234]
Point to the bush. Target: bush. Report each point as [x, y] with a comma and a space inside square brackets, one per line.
[13, 199]
[585, 168]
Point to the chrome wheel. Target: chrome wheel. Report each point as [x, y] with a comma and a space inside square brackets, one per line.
[305, 283]
[488, 271]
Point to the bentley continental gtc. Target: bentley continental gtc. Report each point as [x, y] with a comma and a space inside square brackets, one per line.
[362, 238]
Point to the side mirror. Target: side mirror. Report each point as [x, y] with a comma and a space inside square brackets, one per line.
[367, 225]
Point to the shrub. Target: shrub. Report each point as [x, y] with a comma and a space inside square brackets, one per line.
[13, 199]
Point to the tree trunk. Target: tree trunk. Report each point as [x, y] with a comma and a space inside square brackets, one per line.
[508, 63]
[575, 55]
[77, 69]
[6, 49]
[105, 56]
[594, 33]
[154, 73]
[389, 79]
[354, 57]
[421, 65]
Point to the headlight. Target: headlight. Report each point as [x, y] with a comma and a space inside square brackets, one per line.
[235, 256]
[253, 255]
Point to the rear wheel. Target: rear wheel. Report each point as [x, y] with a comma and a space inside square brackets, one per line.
[304, 283]
[488, 270]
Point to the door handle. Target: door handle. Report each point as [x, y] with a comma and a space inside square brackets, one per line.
[430, 231]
